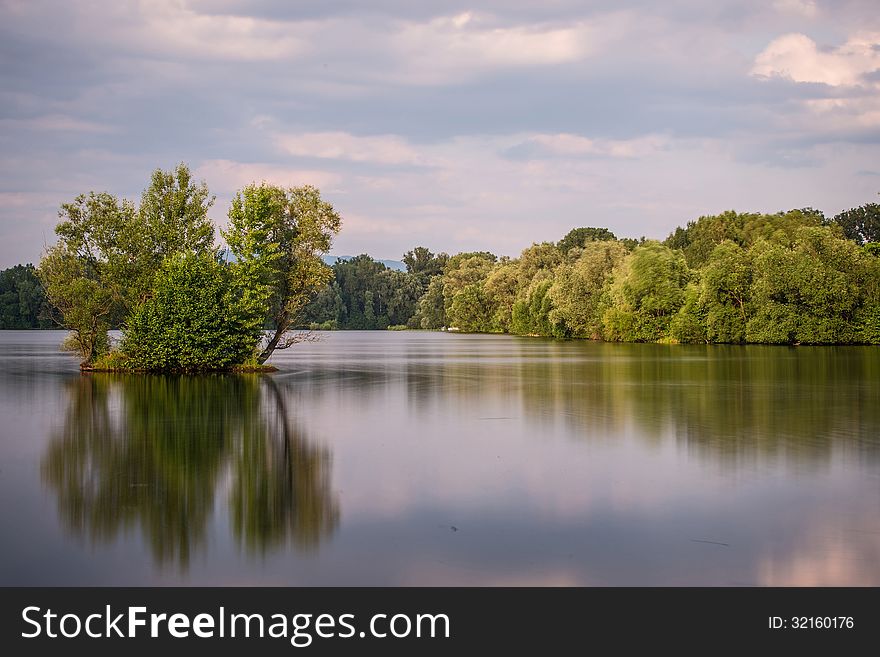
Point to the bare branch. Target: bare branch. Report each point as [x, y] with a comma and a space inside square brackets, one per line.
[290, 339]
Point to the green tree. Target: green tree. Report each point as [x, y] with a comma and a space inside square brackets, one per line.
[809, 293]
[172, 218]
[646, 292]
[699, 238]
[578, 289]
[725, 282]
[431, 309]
[195, 319]
[23, 303]
[76, 291]
[421, 262]
[89, 273]
[578, 237]
[278, 236]
[689, 323]
[470, 310]
[861, 224]
[531, 312]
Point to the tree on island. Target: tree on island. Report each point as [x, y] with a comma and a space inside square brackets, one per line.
[156, 272]
[277, 236]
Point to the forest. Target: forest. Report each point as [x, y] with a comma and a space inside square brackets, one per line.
[792, 277]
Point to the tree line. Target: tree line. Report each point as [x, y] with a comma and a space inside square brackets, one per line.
[154, 270]
[792, 277]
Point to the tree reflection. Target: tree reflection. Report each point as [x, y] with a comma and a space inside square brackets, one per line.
[148, 453]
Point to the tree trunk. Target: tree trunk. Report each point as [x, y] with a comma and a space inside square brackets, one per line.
[282, 323]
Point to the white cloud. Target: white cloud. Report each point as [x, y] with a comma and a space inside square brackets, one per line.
[227, 176]
[172, 25]
[454, 48]
[806, 8]
[856, 103]
[797, 57]
[379, 149]
[565, 144]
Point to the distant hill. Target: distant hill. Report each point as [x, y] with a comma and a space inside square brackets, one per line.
[391, 264]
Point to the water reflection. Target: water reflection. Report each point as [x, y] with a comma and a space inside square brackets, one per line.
[731, 405]
[152, 453]
[556, 463]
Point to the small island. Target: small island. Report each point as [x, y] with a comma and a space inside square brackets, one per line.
[184, 304]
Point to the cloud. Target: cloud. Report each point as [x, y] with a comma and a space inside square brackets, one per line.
[379, 149]
[56, 123]
[170, 28]
[806, 8]
[227, 176]
[569, 145]
[459, 125]
[451, 48]
[797, 57]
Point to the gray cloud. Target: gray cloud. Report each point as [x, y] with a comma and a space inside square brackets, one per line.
[426, 125]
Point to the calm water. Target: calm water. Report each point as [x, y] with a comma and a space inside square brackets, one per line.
[384, 458]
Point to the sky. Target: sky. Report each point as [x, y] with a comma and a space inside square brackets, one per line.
[455, 125]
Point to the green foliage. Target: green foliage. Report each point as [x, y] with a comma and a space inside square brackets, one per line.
[689, 323]
[578, 237]
[699, 238]
[107, 253]
[23, 303]
[326, 306]
[861, 224]
[501, 288]
[531, 314]
[424, 264]
[371, 296]
[726, 281]
[470, 310]
[431, 309]
[808, 293]
[174, 214]
[578, 289]
[75, 289]
[196, 319]
[647, 290]
[277, 236]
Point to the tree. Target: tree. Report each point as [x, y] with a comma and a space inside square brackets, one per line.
[89, 273]
[421, 262]
[689, 323]
[23, 303]
[278, 236]
[172, 218]
[578, 289]
[725, 283]
[431, 313]
[646, 292]
[808, 293]
[578, 237]
[470, 311]
[531, 312]
[174, 208]
[76, 291]
[501, 287]
[861, 224]
[195, 319]
[700, 237]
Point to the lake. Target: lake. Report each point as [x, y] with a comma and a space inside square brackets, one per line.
[421, 458]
